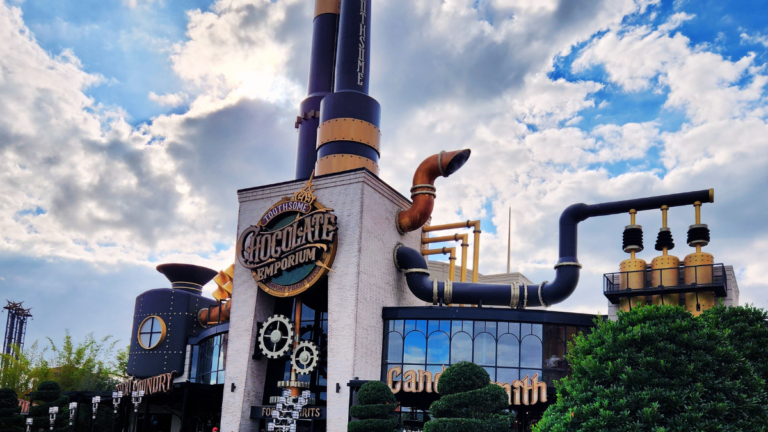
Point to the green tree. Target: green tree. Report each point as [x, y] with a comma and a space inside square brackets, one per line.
[10, 411]
[22, 370]
[468, 403]
[374, 414]
[48, 394]
[657, 368]
[745, 329]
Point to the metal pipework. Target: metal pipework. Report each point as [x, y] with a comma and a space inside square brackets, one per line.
[451, 259]
[423, 190]
[546, 293]
[464, 248]
[468, 224]
[325, 27]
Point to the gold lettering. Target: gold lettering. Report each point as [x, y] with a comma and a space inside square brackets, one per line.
[317, 222]
[425, 376]
[391, 374]
[508, 388]
[275, 251]
[329, 227]
[516, 384]
[264, 243]
[409, 381]
[437, 379]
[539, 389]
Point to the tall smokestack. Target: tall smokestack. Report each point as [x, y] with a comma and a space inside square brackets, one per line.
[349, 135]
[321, 75]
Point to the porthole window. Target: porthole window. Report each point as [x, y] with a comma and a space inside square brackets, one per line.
[151, 332]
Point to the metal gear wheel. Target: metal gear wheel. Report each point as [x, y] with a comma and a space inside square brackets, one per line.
[305, 357]
[276, 337]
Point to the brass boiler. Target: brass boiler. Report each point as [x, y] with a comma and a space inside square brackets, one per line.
[632, 270]
[698, 267]
[665, 269]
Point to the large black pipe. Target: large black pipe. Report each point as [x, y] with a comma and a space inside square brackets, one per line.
[566, 270]
[321, 74]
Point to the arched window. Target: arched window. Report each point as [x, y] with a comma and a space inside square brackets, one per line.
[437, 348]
[508, 354]
[461, 348]
[485, 350]
[531, 352]
[394, 347]
[415, 350]
[151, 332]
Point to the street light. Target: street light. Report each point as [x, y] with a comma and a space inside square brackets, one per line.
[29, 423]
[95, 402]
[72, 408]
[53, 411]
[136, 399]
[117, 397]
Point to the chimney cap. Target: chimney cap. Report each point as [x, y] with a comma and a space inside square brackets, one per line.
[187, 276]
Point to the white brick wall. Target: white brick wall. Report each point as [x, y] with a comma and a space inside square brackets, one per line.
[364, 280]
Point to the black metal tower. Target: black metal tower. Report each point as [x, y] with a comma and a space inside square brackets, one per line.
[15, 326]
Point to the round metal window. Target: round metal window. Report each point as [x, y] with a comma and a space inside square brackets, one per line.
[151, 332]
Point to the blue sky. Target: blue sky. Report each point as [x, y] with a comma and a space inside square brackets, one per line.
[126, 128]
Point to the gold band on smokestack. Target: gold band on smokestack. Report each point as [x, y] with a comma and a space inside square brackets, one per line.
[327, 6]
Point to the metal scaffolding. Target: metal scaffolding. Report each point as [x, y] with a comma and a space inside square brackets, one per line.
[15, 326]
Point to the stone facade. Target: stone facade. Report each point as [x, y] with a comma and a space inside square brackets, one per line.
[364, 280]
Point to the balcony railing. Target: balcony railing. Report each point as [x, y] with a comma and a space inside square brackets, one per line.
[675, 280]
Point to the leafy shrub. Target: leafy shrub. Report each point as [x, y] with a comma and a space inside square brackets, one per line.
[374, 414]
[468, 402]
[657, 368]
[48, 394]
[10, 412]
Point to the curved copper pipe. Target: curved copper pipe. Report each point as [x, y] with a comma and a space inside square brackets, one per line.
[442, 164]
[219, 314]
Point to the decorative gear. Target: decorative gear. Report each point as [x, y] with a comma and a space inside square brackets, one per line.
[305, 357]
[276, 337]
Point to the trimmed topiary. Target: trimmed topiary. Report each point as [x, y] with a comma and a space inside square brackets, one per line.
[48, 394]
[468, 403]
[10, 411]
[374, 414]
[745, 328]
[657, 368]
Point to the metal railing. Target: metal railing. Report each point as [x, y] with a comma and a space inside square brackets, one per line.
[673, 280]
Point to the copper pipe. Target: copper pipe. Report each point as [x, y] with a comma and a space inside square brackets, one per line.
[442, 164]
[468, 224]
[451, 258]
[295, 391]
[464, 238]
[219, 314]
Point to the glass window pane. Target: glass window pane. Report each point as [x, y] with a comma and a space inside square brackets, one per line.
[437, 349]
[399, 326]
[554, 353]
[394, 348]
[154, 338]
[490, 327]
[468, 325]
[145, 340]
[485, 350]
[415, 348]
[504, 375]
[530, 352]
[508, 351]
[491, 373]
[445, 326]
[421, 325]
[530, 373]
[390, 325]
[455, 327]
[479, 327]
[537, 331]
[433, 326]
[525, 329]
[461, 348]
[220, 378]
[410, 325]
[514, 328]
[503, 328]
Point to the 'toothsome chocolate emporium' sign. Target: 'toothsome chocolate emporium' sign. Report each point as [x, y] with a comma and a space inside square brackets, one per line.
[520, 392]
[292, 246]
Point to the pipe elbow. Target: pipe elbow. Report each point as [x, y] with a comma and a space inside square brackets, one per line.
[410, 262]
[574, 214]
[423, 190]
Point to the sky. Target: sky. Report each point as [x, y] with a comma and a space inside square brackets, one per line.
[126, 128]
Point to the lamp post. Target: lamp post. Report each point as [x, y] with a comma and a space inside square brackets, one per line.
[72, 408]
[29, 423]
[136, 399]
[95, 402]
[117, 396]
[52, 411]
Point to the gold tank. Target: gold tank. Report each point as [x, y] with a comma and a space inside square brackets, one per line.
[698, 270]
[665, 272]
[635, 279]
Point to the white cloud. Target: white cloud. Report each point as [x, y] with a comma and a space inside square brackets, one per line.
[169, 99]
[756, 39]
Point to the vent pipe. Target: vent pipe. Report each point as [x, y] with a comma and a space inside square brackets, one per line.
[567, 268]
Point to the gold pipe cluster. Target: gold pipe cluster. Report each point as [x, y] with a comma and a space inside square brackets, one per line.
[464, 244]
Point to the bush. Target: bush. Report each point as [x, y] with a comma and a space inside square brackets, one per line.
[657, 368]
[10, 412]
[746, 330]
[374, 414]
[468, 403]
[48, 394]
